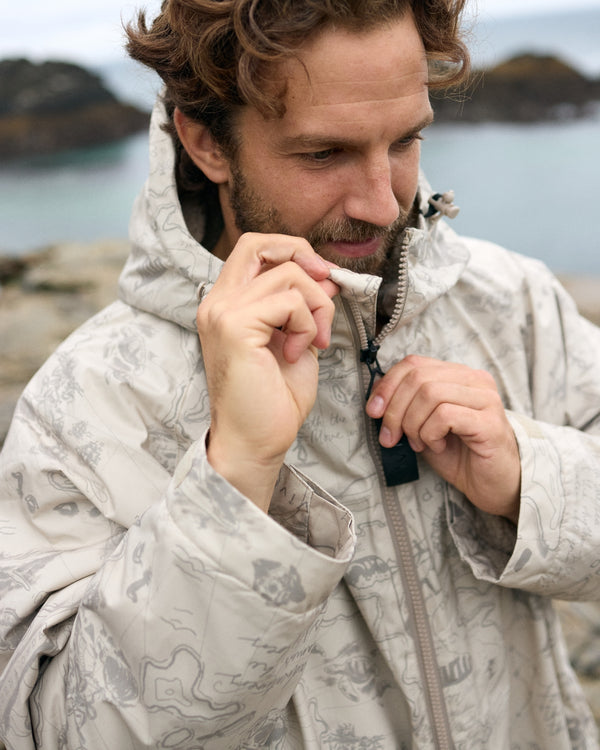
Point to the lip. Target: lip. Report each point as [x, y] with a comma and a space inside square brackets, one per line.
[356, 249]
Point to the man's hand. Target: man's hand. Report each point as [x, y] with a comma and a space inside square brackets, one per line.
[453, 415]
[260, 327]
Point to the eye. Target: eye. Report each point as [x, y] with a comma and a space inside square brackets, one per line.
[320, 156]
[408, 141]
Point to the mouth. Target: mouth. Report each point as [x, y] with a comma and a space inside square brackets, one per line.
[356, 249]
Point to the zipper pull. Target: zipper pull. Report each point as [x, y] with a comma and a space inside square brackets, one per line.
[369, 357]
[400, 461]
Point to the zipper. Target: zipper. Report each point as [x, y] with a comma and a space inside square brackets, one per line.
[401, 294]
[436, 704]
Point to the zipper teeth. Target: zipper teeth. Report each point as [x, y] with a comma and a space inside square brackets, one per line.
[426, 650]
[426, 658]
[398, 306]
[359, 327]
[436, 704]
[402, 289]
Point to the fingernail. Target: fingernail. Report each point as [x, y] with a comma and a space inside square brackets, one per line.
[376, 406]
[385, 437]
[416, 445]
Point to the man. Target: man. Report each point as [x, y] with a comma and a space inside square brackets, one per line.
[213, 534]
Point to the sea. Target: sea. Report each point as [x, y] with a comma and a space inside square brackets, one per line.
[532, 188]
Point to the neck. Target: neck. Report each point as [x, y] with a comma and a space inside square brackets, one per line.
[223, 247]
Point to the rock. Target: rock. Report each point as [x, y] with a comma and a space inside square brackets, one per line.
[54, 106]
[53, 292]
[11, 268]
[526, 88]
[27, 88]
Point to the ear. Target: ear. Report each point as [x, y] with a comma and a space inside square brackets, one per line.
[202, 148]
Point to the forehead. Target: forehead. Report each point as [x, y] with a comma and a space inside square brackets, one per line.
[341, 66]
[342, 79]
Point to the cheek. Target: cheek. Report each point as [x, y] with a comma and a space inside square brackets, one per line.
[405, 177]
[310, 198]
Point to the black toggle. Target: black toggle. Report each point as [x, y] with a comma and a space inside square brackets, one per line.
[399, 462]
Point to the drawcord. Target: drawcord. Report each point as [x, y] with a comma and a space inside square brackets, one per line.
[442, 203]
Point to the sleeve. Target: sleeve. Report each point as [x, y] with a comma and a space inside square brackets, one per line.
[187, 629]
[555, 549]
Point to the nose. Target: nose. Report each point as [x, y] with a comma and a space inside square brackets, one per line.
[370, 196]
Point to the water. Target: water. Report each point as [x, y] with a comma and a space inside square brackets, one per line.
[533, 188]
[83, 195]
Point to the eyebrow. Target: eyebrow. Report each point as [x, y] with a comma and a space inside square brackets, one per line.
[316, 142]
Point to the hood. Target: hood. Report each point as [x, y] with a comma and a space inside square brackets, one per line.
[167, 264]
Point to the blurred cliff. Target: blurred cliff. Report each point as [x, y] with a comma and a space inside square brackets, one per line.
[525, 88]
[53, 106]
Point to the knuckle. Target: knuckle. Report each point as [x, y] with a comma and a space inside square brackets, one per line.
[413, 360]
[247, 237]
[445, 413]
[416, 379]
[486, 378]
[429, 389]
[328, 306]
[295, 296]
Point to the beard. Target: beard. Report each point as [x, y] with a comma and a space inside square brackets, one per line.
[252, 215]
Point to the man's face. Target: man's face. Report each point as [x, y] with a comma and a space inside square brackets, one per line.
[341, 167]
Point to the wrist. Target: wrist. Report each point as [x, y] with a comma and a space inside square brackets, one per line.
[252, 476]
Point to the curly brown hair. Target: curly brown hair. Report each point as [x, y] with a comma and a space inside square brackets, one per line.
[212, 55]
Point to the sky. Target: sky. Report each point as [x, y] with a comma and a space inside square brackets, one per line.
[90, 31]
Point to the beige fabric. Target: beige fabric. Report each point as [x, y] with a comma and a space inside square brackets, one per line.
[147, 604]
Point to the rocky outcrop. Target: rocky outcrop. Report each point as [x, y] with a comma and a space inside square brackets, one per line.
[526, 88]
[43, 298]
[54, 106]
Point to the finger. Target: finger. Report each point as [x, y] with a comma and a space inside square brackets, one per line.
[408, 376]
[288, 275]
[283, 315]
[409, 410]
[330, 288]
[259, 291]
[481, 431]
[255, 253]
[320, 306]
[316, 295]
[444, 420]
[435, 397]
[298, 332]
